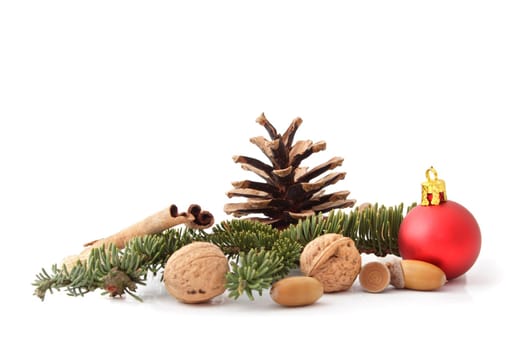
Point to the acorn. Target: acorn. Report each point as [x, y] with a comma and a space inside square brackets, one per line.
[416, 274]
[409, 274]
[296, 291]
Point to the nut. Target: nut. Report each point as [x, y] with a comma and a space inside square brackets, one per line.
[296, 291]
[196, 272]
[333, 259]
[416, 274]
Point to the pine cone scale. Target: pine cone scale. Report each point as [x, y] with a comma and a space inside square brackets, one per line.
[280, 155]
[301, 154]
[319, 199]
[248, 193]
[344, 203]
[283, 172]
[268, 126]
[255, 163]
[289, 134]
[259, 186]
[266, 147]
[320, 169]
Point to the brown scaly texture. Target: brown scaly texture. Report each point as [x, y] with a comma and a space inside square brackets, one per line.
[289, 192]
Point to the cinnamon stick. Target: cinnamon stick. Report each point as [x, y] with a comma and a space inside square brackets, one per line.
[194, 218]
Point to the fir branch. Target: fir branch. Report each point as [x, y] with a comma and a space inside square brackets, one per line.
[254, 272]
[259, 268]
[310, 228]
[154, 250]
[100, 271]
[290, 251]
[374, 229]
[236, 236]
[261, 254]
[115, 271]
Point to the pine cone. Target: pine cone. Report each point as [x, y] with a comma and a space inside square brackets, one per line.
[289, 191]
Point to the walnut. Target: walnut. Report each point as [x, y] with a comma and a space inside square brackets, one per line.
[333, 259]
[196, 272]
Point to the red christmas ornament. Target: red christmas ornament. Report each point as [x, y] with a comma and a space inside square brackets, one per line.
[440, 231]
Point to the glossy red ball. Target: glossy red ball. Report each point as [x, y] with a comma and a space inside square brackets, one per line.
[446, 235]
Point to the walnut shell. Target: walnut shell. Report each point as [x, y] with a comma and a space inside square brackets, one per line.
[333, 259]
[196, 272]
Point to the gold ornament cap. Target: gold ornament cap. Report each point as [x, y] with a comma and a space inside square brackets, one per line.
[433, 191]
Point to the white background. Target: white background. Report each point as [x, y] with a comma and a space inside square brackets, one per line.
[112, 110]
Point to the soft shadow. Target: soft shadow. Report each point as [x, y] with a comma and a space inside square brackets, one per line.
[456, 284]
[485, 273]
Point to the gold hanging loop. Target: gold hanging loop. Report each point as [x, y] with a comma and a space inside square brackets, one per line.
[433, 191]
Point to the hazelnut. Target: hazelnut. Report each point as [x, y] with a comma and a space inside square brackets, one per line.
[333, 259]
[196, 272]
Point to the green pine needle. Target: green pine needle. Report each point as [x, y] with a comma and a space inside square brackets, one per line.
[259, 254]
[237, 236]
[140, 256]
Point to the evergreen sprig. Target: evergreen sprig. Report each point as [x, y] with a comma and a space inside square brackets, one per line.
[106, 267]
[237, 236]
[258, 268]
[259, 254]
[102, 265]
[255, 271]
[374, 228]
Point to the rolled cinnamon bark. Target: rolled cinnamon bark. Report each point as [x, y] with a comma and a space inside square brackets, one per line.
[156, 223]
